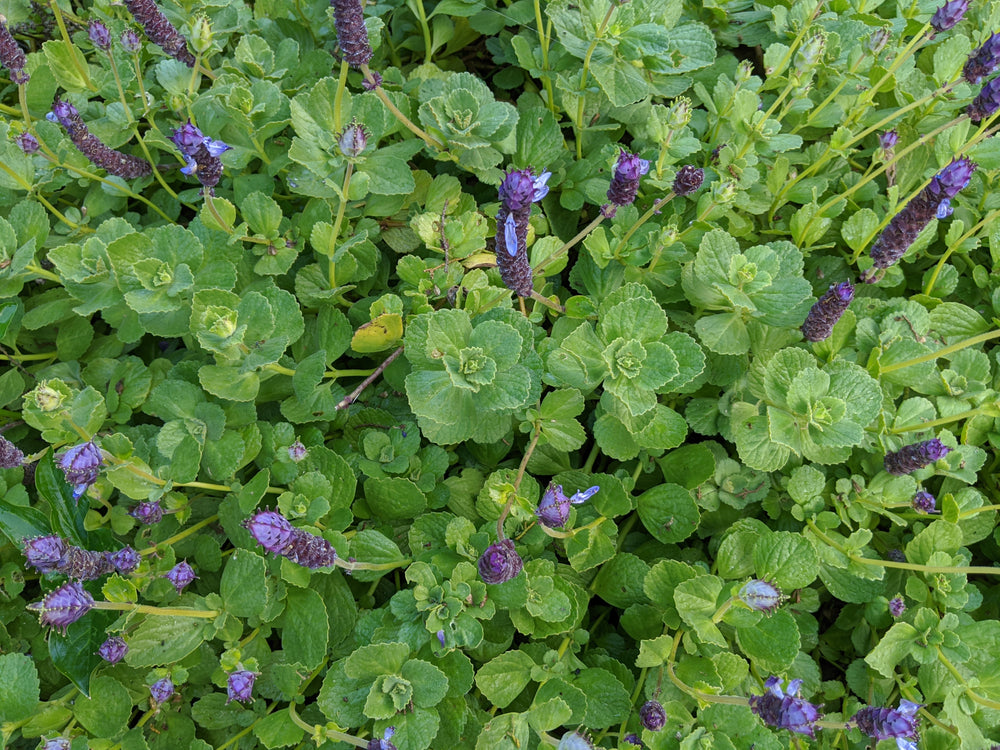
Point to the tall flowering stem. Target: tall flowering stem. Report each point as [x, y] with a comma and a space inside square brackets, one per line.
[160, 31]
[519, 189]
[584, 72]
[114, 162]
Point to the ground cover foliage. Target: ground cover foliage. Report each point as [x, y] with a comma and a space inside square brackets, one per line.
[288, 462]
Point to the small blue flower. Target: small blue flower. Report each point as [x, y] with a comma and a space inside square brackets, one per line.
[553, 508]
[784, 709]
[383, 744]
[899, 724]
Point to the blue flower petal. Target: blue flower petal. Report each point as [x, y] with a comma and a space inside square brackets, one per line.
[216, 148]
[510, 235]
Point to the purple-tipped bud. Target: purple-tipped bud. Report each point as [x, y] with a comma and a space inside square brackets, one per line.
[239, 685]
[553, 508]
[878, 39]
[161, 690]
[924, 502]
[130, 41]
[12, 56]
[125, 560]
[352, 36]
[500, 562]
[688, 180]
[986, 102]
[62, 607]
[519, 189]
[983, 60]
[353, 141]
[954, 178]
[113, 650]
[915, 456]
[383, 743]
[762, 596]
[889, 723]
[180, 575]
[785, 710]
[81, 464]
[99, 35]
[147, 513]
[652, 716]
[45, 553]
[887, 141]
[114, 162]
[271, 530]
[948, 15]
[310, 551]
[297, 452]
[827, 311]
[27, 142]
[575, 741]
[897, 607]
[625, 182]
[159, 30]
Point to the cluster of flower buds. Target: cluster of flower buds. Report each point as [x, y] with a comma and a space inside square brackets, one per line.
[761, 595]
[63, 606]
[983, 60]
[688, 179]
[52, 554]
[239, 686]
[948, 15]
[27, 142]
[924, 502]
[113, 162]
[897, 607]
[99, 35]
[899, 724]
[147, 512]
[352, 36]
[916, 456]
[783, 709]
[625, 182]
[180, 575]
[575, 740]
[652, 716]
[519, 189]
[553, 508]
[113, 650]
[827, 311]
[276, 534]
[10, 455]
[159, 30]
[987, 101]
[202, 154]
[933, 201]
[500, 562]
[12, 56]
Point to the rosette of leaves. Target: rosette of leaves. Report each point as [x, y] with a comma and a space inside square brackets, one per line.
[470, 375]
[453, 607]
[744, 292]
[631, 353]
[800, 409]
[474, 127]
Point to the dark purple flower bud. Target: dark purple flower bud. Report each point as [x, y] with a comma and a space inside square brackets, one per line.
[57, 743]
[114, 162]
[309, 550]
[625, 182]
[12, 56]
[896, 555]
[826, 312]
[159, 30]
[948, 15]
[113, 650]
[762, 596]
[45, 553]
[297, 452]
[161, 690]
[352, 36]
[130, 41]
[553, 508]
[147, 513]
[986, 102]
[125, 560]
[954, 178]
[888, 140]
[924, 502]
[500, 562]
[239, 686]
[81, 464]
[983, 60]
[100, 36]
[575, 741]
[652, 716]
[85, 565]
[688, 180]
[27, 142]
[353, 141]
[633, 739]
[785, 710]
[63, 606]
[271, 530]
[383, 744]
[896, 606]
[889, 723]
[375, 82]
[180, 575]
[519, 189]
[915, 456]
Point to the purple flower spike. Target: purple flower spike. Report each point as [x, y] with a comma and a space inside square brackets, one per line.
[652, 716]
[519, 189]
[625, 182]
[275, 534]
[915, 456]
[29, 145]
[180, 575]
[553, 508]
[924, 502]
[888, 140]
[948, 15]
[202, 154]
[897, 607]
[147, 513]
[785, 710]
[383, 744]
[239, 685]
[352, 36]
[113, 650]
[100, 36]
[271, 530]
[633, 739]
[81, 464]
[12, 56]
[62, 607]
[112, 161]
[688, 180]
[890, 723]
[500, 562]
[987, 101]
[827, 311]
[983, 60]
[45, 553]
[161, 690]
[159, 30]
[762, 596]
[125, 560]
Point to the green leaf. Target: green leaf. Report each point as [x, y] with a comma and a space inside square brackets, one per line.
[668, 512]
[19, 687]
[772, 643]
[306, 629]
[262, 213]
[892, 649]
[858, 228]
[503, 678]
[688, 466]
[106, 712]
[394, 498]
[68, 514]
[229, 382]
[68, 66]
[696, 600]
[725, 333]
[165, 640]
[376, 659]
[607, 699]
[243, 586]
[430, 684]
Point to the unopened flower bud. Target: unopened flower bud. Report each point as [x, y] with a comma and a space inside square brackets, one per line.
[239, 685]
[10, 455]
[161, 690]
[575, 741]
[81, 464]
[500, 562]
[652, 716]
[47, 398]
[180, 575]
[147, 513]
[27, 142]
[680, 113]
[130, 41]
[915, 456]
[897, 607]
[271, 530]
[948, 15]
[113, 650]
[125, 560]
[878, 39]
[744, 72]
[297, 452]
[201, 35]
[553, 508]
[689, 179]
[45, 553]
[62, 607]
[353, 141]
[100, 36]
[924, 502]
[810, 53]
[760, 595]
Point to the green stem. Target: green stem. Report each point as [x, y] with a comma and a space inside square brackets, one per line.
[142, 86]
[128, 191]
[179, 536]
[941, 352]
[544, 39]
[81, 67]
[417, 6]
[320, 733]
[962, 681]
[341, 209]
[27, 357]
[212, 210]
[945, 420]
[517, 482]
[161, 611]
[580, 235]
[643, 219]
[38, 271]
[578, 125]
[52, 209]
[338, 98]
[985, 221]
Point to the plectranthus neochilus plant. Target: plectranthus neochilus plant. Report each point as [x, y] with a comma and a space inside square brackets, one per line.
[159, 30]
[202, 154]
[916, 456]
[352, 36]
[899, 724]
[12, 56]
[114, 162]
[827, 311]
[624, 186]
[949, 14]
[519, 189]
